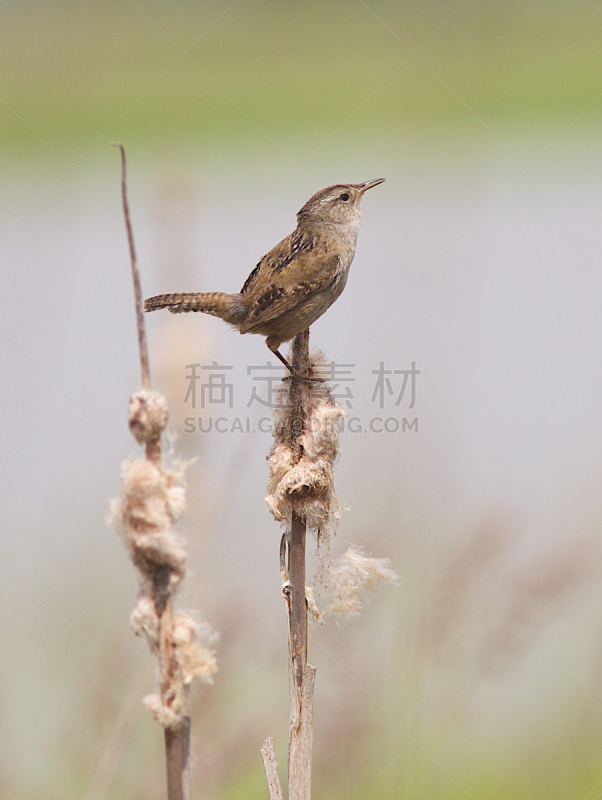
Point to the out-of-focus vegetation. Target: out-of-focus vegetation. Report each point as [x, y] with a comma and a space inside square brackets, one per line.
[153, 69]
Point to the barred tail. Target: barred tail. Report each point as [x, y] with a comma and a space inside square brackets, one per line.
[226, 306]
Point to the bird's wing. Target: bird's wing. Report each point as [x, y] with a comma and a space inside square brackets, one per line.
[279, 257]
[280, 283]
[253, 278]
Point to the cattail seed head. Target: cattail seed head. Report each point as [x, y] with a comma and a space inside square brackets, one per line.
[148, 415]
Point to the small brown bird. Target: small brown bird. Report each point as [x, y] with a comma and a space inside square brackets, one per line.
[298, 280]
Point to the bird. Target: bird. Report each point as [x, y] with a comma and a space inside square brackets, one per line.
[297, 281]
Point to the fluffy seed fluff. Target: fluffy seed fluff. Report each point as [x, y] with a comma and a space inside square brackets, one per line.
[144, 620]
[305, 483]
[194, 660]
[301, 479]
[346, 585]
[152, 499]
[147, 415]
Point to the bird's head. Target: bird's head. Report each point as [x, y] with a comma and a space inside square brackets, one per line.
[338, 205]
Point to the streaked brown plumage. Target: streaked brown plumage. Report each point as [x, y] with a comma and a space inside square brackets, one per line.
[298, 280]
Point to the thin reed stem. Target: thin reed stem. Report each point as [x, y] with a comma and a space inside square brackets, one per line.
[142, 345]
[296, 552]
[298, 608]
[301, 494]
[177, 738]
[301, 676]
[292, 569]
[271, 769]
[177, 749]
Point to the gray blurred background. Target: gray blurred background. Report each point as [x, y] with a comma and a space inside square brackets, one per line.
[480, 676]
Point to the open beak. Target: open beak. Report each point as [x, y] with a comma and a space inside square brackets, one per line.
[369, 184]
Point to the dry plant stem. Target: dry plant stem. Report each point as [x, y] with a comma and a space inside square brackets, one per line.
[301, 493]
[301, 735]
[142, 346]
[271, 769]
[296, 553]
[177, 749]
[301, 676]
[176, 740]
[298, 610]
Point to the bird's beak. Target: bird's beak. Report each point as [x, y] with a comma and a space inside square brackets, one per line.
[369, 184]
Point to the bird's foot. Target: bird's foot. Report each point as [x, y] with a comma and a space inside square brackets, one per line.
[294, 373]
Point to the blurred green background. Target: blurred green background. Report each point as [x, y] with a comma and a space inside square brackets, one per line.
[169, 71]
[479, 259]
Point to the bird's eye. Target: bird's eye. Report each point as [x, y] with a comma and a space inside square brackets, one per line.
[344, 196]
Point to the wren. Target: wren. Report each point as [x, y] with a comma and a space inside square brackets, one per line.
[298, 280]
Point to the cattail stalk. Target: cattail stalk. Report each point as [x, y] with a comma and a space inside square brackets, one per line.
[302, 675]
[296, 542]
[141, 329]
[301, 495]
[271, 769]
[151, 501]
